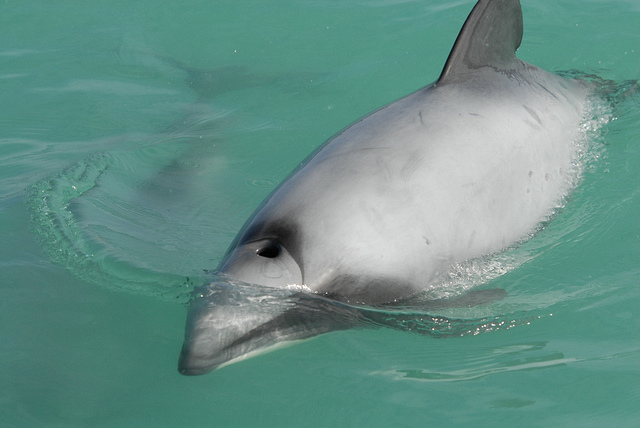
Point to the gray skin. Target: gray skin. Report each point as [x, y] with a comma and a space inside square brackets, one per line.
[462, 168]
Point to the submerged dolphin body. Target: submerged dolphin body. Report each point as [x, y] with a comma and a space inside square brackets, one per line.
[462, 168]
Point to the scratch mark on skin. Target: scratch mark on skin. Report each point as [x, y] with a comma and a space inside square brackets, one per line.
[548, 91]
[533, 114]
[410, 166]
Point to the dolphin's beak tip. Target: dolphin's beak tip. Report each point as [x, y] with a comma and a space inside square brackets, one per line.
[189, 366]
[187, 370]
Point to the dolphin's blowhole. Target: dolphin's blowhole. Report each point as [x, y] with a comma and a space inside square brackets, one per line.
[270, 251]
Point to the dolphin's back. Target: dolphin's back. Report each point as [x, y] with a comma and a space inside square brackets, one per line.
[461, 168]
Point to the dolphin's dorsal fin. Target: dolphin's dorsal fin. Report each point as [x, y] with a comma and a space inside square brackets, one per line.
[489, 38]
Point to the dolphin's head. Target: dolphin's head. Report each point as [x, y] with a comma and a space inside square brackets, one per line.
[247, 308]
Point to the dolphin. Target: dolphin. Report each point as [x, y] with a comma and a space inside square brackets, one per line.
[462, 168]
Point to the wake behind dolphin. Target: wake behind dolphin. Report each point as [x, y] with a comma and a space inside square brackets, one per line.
[462, 168]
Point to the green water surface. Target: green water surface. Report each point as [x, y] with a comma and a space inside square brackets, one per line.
[135, 139]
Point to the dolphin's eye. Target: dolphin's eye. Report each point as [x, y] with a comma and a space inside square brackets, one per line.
[271, 251]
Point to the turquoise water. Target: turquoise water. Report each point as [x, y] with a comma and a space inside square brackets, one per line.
[135, 139]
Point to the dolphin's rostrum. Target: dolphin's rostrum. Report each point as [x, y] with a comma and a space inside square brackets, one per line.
[464, 167]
